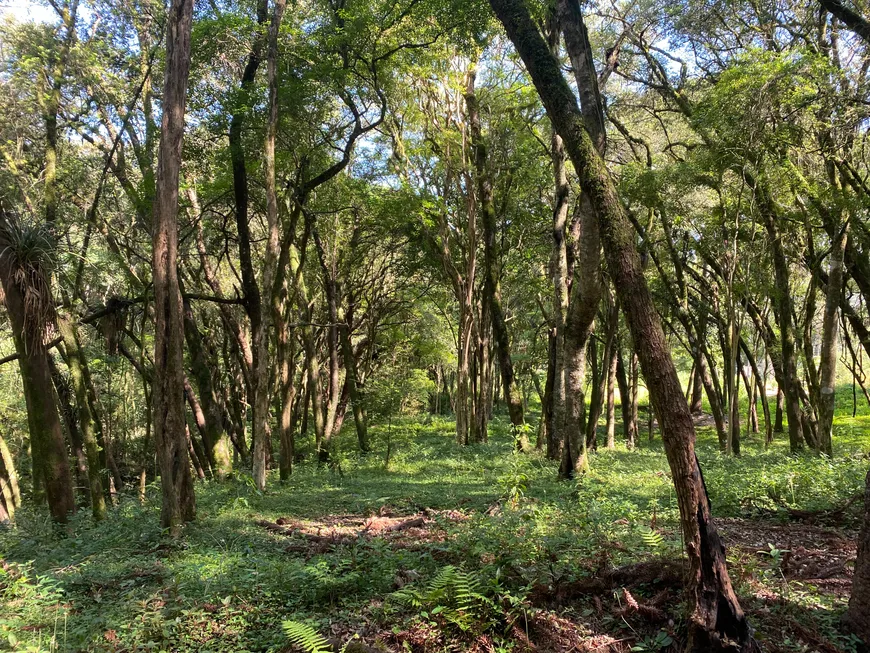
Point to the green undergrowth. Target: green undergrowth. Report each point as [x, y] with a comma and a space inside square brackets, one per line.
[229, 585]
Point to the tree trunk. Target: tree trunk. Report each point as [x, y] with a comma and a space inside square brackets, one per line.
[9, 490]
[559, 265]
[611, 400]
[830, 332]
[717, 622]
[334, 386]
[65, 405]
[548, 410]
[697, 404]
[634, 399]
[600, 378]
[200, 445]
[196, 454]
[359, 416]
[463, 374]
[77, 363]
[50, 465]
[321, 437]
[252, 299]
[179, 504]
[752, 401]
[215, 437]
[858, 615]
[782, 302]
[733, 445]
[491, 284]
[586, 285]
[260, 318]
[629, 428]
[777, 426]
[713, 398]
[482, 378]
[286, 352]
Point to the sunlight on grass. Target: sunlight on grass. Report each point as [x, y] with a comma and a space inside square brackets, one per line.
[229, 583]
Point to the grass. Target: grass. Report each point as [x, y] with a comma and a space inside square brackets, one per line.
[228, 584]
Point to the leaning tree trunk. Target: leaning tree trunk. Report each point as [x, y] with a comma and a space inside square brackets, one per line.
[697, 404]
[716, 621]
[352, 383]
[761, 388]
[10, 493]
[179, 504]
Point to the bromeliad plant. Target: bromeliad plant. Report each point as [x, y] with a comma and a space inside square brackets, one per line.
[27, 256]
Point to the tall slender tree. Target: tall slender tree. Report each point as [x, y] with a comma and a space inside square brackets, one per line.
[179, 504]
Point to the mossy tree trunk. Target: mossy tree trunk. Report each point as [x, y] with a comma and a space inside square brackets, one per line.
[586, 284]
[716, 621]
[49, 452]
[491, 284]
[830, 342]
[215, 437]
[77, 363]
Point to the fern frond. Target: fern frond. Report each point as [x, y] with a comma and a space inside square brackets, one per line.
[409, 596]
[465, 590]
[306, 638]
[444, 580]
[651, 538]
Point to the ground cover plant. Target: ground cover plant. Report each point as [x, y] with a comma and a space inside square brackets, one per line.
[546, 565]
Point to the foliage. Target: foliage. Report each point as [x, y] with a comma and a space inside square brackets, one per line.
[306, 638]
[453, 594]
[230, 585]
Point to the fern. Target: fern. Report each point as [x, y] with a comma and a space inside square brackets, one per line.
[651, 538]
[305, 637]
[465, 592]
[452, 593]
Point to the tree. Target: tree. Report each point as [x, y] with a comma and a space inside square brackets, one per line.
[716, 617]
[168, 388]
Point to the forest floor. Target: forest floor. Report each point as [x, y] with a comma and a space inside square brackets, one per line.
[446, 549]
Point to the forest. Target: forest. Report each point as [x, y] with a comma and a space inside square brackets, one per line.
[435, 326]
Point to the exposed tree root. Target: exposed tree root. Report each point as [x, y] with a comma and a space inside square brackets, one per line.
[664, 572]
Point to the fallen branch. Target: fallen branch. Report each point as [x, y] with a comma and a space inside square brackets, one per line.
[410, 523]
[659, 571]
[372, 528]
[828, 513]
